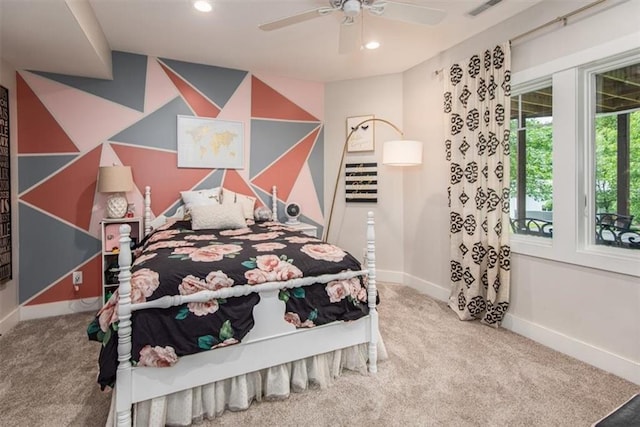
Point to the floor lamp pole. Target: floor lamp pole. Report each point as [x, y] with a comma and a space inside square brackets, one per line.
[344, 152]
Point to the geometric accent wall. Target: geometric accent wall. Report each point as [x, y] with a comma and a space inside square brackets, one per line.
[68, 126]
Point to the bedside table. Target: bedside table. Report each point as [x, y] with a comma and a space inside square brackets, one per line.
[308, 229]
[110, 235]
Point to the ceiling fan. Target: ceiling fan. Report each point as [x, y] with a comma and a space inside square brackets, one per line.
[351, 9]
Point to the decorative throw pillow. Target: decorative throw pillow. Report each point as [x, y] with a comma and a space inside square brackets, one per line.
[210, 196]
[217, 217]
[247, 203]
[228, 196]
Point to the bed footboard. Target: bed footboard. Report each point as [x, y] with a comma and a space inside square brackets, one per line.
[125, 381]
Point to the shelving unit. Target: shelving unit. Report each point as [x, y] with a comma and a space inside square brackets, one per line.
[110, 234]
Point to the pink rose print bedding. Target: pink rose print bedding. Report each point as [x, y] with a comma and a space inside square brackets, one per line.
[177, 260]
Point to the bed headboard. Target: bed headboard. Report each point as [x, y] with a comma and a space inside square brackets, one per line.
[150, 224]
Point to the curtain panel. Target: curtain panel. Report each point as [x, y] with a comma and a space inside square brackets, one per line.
[477, 111]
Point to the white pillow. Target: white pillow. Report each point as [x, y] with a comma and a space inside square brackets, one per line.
[217, 217]
[247, 202]
[228, 196]
[210, 196]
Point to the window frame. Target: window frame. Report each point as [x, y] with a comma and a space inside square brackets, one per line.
[521, 90]
[589, 73]
[573, 157]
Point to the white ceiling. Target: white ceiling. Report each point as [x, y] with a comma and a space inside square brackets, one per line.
[75, 36]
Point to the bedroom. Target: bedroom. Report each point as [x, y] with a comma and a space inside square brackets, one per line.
[589, 313]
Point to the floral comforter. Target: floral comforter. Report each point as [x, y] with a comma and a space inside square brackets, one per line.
[177, 260]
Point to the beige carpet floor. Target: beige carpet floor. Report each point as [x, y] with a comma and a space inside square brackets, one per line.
[440, 372]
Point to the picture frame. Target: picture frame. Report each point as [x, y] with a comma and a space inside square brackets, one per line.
[363, 138]
[361, 182]
[203, 142]
[6, 249]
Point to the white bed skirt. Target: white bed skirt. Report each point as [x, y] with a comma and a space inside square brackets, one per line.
[236, 394]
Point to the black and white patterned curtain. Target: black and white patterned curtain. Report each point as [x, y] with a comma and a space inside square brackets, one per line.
[477, 109]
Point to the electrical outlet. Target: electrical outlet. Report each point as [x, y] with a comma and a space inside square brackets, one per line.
[77, 277]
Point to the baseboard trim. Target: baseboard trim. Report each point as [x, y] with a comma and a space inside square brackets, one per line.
[617, 365]
[29, 312]
[428, 288]
[594, 356]
[389, 276]
[9, 321]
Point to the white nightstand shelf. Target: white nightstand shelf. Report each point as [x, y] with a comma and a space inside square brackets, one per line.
[308, 229]
[110, 239]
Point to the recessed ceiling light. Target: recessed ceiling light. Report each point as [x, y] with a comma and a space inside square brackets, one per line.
[202, 5]
[372, 45]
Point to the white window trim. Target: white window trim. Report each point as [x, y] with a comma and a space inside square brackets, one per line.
[573, 143]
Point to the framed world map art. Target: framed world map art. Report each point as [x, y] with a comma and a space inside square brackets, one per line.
[210, 143]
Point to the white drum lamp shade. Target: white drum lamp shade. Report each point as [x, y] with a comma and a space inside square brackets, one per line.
[115, 180]
[402, 153]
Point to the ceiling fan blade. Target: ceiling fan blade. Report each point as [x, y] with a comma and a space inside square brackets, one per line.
[297, 18]
[407, 12]
[349, 41]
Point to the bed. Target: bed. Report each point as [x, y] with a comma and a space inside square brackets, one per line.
[208, 319]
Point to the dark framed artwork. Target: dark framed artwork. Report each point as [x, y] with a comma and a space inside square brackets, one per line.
[5, 189]
[361, 182]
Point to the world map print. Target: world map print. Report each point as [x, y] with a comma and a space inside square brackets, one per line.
[209, 143]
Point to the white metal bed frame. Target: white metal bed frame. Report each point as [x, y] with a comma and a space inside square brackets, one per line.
[271, 342]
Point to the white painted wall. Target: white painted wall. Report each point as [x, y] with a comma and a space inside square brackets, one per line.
[9, 314]
[590, 314]
[382, 97]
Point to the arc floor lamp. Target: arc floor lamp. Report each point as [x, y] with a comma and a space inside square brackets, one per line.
[394, 153]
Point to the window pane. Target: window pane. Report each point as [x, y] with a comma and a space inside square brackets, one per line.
[531, 163]
[617, 157]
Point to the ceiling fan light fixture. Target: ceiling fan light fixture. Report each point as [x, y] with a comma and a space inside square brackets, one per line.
[351, 8]
[202, 5]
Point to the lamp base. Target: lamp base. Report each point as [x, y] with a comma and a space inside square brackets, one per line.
[116, 205]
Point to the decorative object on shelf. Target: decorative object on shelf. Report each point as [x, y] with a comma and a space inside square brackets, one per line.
[111, 237]
[111, 273]
[131, 210]
[392, 146]
[210, 143]
[293, 211]
[262, 213]
[363, 138]
[115, 180]
[361, 182]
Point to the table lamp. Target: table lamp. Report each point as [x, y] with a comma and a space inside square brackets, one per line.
[115, 180]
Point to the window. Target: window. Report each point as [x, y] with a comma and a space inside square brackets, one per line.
[588, 133]
[531, 142]
[616, 134]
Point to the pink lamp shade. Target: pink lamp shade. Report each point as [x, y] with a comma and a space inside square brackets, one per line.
[115, 180]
